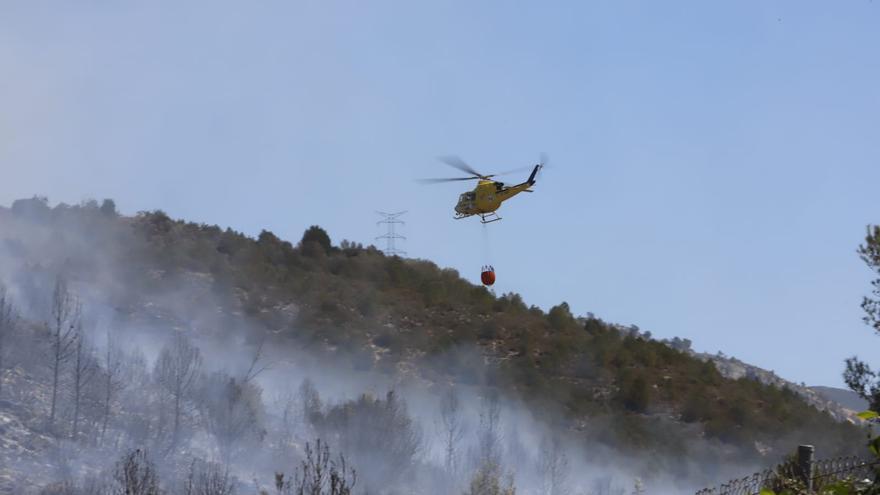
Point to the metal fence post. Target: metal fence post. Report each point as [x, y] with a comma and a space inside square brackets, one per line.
[805, 465]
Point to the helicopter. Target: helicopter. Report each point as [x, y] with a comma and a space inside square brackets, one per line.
[488, 195]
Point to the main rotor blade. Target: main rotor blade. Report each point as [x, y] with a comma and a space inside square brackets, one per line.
[514, 171]
[544, 158]
[454, 161]
[437, 181]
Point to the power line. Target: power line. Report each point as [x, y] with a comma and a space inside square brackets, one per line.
[391, 220]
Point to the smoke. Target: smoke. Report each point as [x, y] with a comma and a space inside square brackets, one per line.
[252, 397]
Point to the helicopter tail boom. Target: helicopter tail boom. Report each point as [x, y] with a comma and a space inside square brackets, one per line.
[531, 180]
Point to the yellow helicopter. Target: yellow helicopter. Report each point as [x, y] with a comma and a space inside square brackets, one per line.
[489, 194]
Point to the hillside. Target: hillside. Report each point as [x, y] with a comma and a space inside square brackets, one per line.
[605, 386]
[836, 402]
[846, 398]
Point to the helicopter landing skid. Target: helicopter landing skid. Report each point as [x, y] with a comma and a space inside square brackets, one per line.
[489, 217]
[484, 217]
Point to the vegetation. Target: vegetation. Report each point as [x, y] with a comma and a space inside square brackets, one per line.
[378, 312]
[488, 480]
[352, 297]
[318, 474]
[789, 479]
[859, 375]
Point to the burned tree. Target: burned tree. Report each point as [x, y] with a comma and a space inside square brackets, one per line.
[368, 425]
[554, 467]
[489, 439]
[112, 378]
[7, 326]
[84, 370]
[258, 364]
[208, 478]
[489, 477]
[176, 372]
[135, 474]
[309, 402]
[65, 314]
[318, 474]
[232, 412]
[451, 429]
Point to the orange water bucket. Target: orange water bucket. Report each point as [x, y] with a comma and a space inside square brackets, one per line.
[488, 275]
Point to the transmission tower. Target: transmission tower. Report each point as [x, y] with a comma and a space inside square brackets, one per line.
[391, 220]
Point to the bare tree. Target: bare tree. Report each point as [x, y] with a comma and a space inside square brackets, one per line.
[8, 320]
[113, 378]
[489, 474]
[65, 315]
[258, 364]
[489, 435]
[318, 474]
[176, 372]
[309, 403]
[286, 402]
[208, 478]
[232, 412]
[84, 370]
[452, 430]
[135, 474]
[606, 485]
[142, 398]
[554, 467]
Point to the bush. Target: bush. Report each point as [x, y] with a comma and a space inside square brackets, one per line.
[319, 474]
[368, 425]
[560, 316]
[318, 236]
[488, 481]
[636, 395]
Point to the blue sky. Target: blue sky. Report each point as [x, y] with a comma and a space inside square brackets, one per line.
[714, 163]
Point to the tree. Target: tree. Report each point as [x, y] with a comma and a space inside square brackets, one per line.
[135, 474]
[554, 467]
[318, 474]
[489, 435]
[232, 411]
[208, 478]
[108, 207]
[870, 254]
[559, 316]
[310, 405]
[636, 395]
[113, 380]
[141, 389]
[35, 209]
[487, 480]
[452, 429]
[176, 372]
[287, 423]
[858, 375]
[84, 369]
[315, 235]
[257, 365]
[65, 314]
[369, 425]
[7, 327]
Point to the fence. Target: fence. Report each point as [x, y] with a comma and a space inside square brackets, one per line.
[811, 474]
